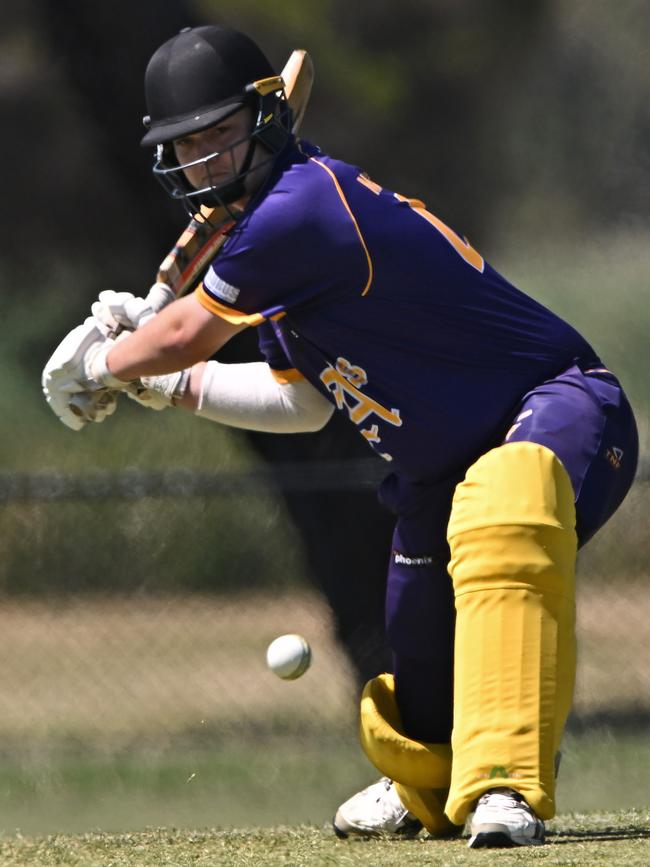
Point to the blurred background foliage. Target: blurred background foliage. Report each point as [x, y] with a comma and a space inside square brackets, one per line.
[526, 126]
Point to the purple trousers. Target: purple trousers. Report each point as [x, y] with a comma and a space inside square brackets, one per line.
[584, 417]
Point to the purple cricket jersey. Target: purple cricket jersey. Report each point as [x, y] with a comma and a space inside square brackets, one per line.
[387, 311]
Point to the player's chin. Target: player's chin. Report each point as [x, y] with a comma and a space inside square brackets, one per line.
[201, 182]
[214, 183]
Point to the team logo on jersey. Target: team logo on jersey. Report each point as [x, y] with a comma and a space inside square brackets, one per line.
[404, 560]
[615, 456]
[345, 381]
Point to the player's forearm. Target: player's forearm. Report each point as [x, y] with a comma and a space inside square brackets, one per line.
[150, 352]
[180, 336]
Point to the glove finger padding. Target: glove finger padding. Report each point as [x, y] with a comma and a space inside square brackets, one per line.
[76, 410]
[146, 396]
[159, 392]
[65, 369]
[94, 406]
[159, 296]
[108, 318]
[120, 309]
[75, 372]
[124, 310]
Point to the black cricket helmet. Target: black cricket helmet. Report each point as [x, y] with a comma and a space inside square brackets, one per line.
[198, 78]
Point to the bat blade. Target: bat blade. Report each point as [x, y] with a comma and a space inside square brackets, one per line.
[298, 76]
[205, 234]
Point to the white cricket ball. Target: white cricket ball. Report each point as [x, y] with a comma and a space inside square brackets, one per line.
[288, 656]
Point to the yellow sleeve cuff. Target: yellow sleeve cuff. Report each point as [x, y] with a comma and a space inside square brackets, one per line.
[236, 317]
[284, 377]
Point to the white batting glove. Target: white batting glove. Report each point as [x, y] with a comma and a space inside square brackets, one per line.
[76, 371]
[116, 311]
[159, 392]
[76, 410]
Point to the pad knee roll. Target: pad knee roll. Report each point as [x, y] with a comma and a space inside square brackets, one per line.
[518, 500]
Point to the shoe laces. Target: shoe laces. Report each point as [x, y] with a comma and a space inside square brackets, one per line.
[387, 801]
[506, 794]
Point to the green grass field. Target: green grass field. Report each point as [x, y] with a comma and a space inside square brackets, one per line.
[616, 838]
[270, 800]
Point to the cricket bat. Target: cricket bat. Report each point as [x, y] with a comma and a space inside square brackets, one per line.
[206, 233]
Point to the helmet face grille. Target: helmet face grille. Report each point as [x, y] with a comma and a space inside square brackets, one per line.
[271, 129]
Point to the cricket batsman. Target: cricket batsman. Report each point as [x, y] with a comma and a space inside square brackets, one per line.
[508, 442]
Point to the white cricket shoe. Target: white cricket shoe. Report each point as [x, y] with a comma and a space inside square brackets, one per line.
[375, 811]
[503, 818]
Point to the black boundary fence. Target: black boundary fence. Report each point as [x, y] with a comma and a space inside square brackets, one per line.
[132, 484]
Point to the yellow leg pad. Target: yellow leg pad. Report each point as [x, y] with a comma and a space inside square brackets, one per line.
[513, 548]
[413, 763]
[429, 806]
[420, 770]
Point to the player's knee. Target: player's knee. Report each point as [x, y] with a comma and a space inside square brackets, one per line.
[513, 522]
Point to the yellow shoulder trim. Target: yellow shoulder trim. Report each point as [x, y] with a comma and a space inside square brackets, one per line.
[235, 317]
[461, 245]
[352, 217]
[284, 377]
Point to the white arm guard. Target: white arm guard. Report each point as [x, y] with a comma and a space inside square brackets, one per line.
[249, 396]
